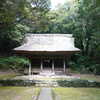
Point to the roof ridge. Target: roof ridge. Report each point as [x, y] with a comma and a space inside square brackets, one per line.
[66, 35]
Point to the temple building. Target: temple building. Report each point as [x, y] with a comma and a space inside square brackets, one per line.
[48, 51]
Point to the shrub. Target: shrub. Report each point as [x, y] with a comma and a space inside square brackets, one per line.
[14, 63]
[84, 64]
[17, 83]
[78, 83]
[97, 69]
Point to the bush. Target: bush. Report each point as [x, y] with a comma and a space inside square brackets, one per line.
[78, 83]
[84, 64]
[97, 69]
[14, 63]
[17, 83]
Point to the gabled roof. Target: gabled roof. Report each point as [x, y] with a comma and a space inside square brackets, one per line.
[48, 43]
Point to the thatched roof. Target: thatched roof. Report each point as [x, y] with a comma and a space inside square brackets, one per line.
[48, 43]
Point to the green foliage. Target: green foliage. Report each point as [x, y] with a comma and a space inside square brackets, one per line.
[87, 25]
[61, 20]
[12, 11]
[11, 30]
[97, 69]
[16, 16]
[84, 64]
[38, 20]
[78, 83]
[12, 36]
[14, 63]
[87, 37]
[17, 83]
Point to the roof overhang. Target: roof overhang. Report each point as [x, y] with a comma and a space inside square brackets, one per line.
[45, 44]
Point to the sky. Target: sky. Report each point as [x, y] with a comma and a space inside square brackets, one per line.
[54, 3]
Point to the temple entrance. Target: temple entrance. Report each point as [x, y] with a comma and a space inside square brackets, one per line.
[47, 64]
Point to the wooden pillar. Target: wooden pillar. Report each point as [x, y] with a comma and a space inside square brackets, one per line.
[41, 65]
[30, 69]
[53, 65]
[64, 65]
[67, 71]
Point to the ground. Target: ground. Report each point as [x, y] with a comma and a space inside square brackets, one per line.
[9, 75]
[90, 77]
[19, 93]
[78, 93]
[32, 93]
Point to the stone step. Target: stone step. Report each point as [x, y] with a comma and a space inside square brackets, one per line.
[47, 83]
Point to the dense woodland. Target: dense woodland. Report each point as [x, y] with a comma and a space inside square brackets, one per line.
[80, 18]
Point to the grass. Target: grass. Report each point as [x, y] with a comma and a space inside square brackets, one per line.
[90, 77]
[18, 93]
[78, 93]
[7, 76]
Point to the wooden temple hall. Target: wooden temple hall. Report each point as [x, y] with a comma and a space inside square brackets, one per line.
[47, 51]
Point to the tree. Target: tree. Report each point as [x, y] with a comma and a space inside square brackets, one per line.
[11, 30]
[61, 19]
[82, 20]
[38, 22]
[18, 17]
[87, 25]
[87, 35]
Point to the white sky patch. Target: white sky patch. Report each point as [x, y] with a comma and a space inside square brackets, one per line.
[54, 3]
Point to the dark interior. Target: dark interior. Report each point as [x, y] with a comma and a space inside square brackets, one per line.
[47, 63]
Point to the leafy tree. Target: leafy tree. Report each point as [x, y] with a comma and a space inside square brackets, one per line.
[39, 21]
[61, 19]
[82, 20]
[87, 35]
[11, 31]
[87, 25]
